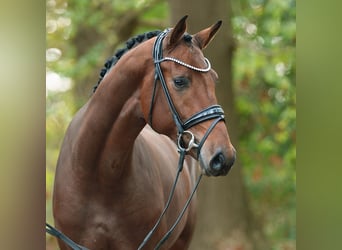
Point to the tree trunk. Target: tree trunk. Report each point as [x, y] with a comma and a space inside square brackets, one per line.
[224, 220]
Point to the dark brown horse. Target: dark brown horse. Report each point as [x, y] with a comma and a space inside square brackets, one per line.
[119, 157]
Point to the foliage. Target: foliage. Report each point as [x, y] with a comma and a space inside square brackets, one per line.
[82, 34]
[264, 76]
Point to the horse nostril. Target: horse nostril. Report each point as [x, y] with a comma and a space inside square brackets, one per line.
[220, 164]
[217, 162]
[217, 165]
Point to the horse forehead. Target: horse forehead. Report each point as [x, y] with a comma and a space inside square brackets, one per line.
[189, 56]
[190, 52]
[186, 48]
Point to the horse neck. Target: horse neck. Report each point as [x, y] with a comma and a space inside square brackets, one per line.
[113, 118]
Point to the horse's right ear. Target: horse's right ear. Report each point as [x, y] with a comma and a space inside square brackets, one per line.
[177, 32]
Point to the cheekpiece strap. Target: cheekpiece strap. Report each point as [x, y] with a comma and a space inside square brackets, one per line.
[157, 57]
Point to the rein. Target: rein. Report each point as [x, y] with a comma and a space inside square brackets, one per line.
[54, 232]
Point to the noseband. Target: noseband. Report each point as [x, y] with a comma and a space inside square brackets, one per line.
[209, 113]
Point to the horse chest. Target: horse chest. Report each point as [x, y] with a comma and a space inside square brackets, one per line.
[123, 221]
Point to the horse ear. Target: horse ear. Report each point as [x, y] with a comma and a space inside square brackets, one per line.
[205, 36]
[178, 31]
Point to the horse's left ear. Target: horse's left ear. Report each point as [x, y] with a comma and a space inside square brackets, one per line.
[178, 31]
[205, 36]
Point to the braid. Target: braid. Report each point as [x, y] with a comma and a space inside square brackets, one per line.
[131, 43]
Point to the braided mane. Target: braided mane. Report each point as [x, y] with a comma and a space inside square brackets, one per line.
[131, 43]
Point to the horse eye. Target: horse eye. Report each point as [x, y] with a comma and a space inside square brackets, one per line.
[181, 82]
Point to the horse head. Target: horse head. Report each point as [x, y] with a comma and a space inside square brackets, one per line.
[185, 107]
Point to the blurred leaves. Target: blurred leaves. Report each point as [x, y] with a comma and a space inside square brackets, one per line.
[264, 77]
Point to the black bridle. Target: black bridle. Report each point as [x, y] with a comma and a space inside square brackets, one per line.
[210, 113]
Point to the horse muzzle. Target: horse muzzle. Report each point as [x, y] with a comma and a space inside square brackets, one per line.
[219, 164]
[214, 159]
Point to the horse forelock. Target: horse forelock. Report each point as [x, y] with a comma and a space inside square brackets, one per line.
[130, 43]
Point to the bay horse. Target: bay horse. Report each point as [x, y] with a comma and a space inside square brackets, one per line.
[154, 103]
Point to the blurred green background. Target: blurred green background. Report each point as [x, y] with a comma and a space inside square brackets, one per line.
[264, 79]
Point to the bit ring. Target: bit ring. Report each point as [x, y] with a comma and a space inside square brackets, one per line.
[191, 143]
